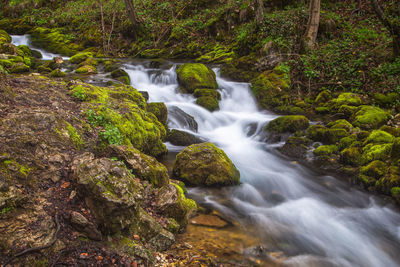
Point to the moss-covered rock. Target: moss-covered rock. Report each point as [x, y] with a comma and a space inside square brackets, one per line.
[121, 75]
[347, 141]
[270, 86]
[181, 138]
[291, 124]
[323, 97]
[121, 111]
[395, 131]
[141, 165]
[369, 117]
[340, 124]
[205, 164]
[296, 147]
[57, 73]
[208, 103]
[378, 136]
[43, 69]
[351, 156]
[349, 99]
[347, 111]
[80, 57]
[395, 154]
[25, 50]
[386, 100]
[376, 152]
[192, 76]
[316, 132]
[159, 109]
[86, 69]
[36, 54]
[375, 169]
[207, 92]
[390, 180]
[113, 195]
[19, 68]
[325, 150]
[54, 41]
[171, 202]
[6, 63]
[4, 37]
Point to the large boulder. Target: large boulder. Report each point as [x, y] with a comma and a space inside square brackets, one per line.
[112, 193]
[205, 164]
[143, 166]
[369, 117]
[159, 109]
[192, 76]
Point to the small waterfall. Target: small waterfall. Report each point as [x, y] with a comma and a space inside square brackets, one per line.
[25, 40]
[316, 220]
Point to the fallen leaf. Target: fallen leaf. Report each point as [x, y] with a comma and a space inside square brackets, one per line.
[65, 185]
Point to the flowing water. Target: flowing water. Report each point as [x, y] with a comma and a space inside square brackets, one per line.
[315, 220]
[25, 40]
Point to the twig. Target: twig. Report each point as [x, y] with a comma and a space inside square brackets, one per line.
[35, 249]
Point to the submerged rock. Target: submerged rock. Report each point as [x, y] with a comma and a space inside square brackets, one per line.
[181, 138]
[192, 76]
[205, 164]
[181, 118]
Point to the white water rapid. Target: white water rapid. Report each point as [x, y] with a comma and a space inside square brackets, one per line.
[315, 220]
[25, 40]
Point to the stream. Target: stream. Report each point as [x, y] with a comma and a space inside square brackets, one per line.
[315, 220]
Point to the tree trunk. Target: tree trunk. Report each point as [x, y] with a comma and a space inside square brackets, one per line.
[310, 37]
[103, 30]
[259, 9]
[130, 8]
[393, 29]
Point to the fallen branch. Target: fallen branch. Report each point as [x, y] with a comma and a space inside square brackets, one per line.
[36, 249]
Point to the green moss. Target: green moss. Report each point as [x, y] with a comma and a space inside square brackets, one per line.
[369, 117]
[378, 136]
[121, 112]
[4, 37]
[340, 124]
[376, 152]
[322, 110]
[86, 69]
[25, 50]
[395, 155]
[316, 132]
[375, 169]
[392, 130]
[173, 226]
[347, 110]
[6, 63]
[386, 100]
[54, 41]
[347, 141]
[349, 99]
[351, 156]
[207, 92]
[57, 73]
[291, 123]
[269, 86]
[192, 76]
[325, 150]
[187, 203]
[89, 61]
[395, 191]
[323, 97]
[19, 68]
[160, 110]
[219, 54]
[75, 137]
[208, 103]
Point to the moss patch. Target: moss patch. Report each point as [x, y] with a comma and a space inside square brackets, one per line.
[291, 124]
